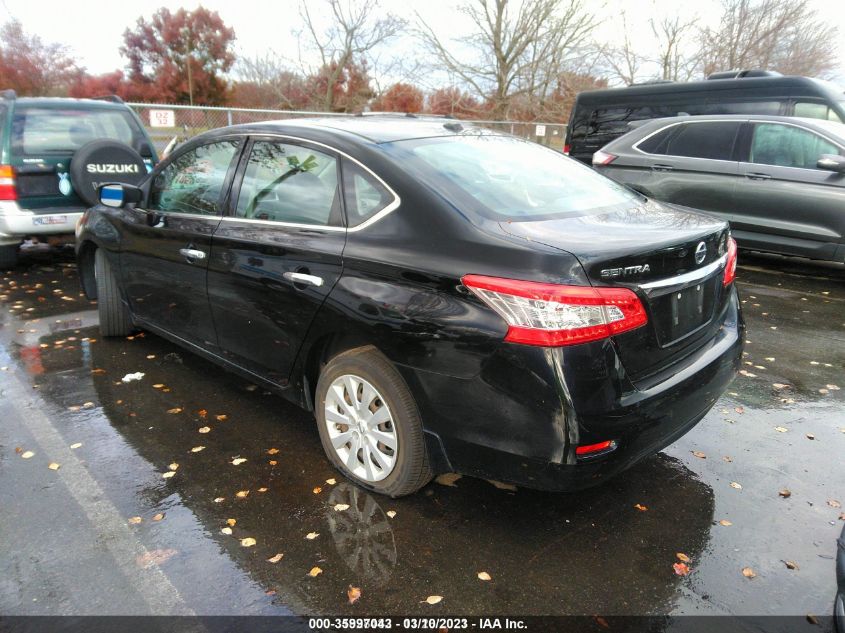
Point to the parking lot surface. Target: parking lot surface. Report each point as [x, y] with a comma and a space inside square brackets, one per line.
[188, 490]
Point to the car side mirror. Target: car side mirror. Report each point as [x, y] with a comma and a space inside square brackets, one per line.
[117, 195]
[832, 162]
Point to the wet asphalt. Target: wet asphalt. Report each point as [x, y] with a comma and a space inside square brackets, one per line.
[107, 533]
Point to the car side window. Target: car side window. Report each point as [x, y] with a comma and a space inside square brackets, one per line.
[788, 146]
[290, 183]
[816, 110]
[713, 140]
[363, 193]
[193, 182]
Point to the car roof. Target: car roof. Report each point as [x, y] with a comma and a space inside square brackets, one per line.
[64, 102]
[377, 128]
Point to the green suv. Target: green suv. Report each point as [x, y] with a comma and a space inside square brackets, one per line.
[53, 155]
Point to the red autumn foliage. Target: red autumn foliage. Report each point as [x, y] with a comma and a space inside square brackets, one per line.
[31, 67]
[453, 102]
[400, 97]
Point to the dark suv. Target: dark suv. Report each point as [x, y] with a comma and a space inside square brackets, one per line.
[45, 181]
[443, 298]
[779, 181]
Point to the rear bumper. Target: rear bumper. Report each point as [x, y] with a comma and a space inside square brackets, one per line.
[17, 223]
[522, 417]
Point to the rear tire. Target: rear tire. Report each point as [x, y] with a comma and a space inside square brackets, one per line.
[9, 256]
[385, 413]
[114, 315]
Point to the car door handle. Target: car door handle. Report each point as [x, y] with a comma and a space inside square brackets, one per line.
[191, 254]
[757, 176]
[304, 278]
[662, 168]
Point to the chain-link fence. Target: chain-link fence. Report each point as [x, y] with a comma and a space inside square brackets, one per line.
[163, 122]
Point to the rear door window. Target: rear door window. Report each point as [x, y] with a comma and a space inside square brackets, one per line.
[39, 131]
[709, 139]
[291, 184]
[788, 146]
[193, 182]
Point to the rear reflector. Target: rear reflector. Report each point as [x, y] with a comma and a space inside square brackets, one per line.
[603, 158]
[553, 315]
[730, 266]
[592, 449]
[7, 183]
[566, 149]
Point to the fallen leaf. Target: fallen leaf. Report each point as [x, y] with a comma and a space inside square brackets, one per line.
[748, 572]
[219, 499]
[315, 571]
[736, 485]
[150, 356]
[202, 413]
[683, 557]
[231, 522]
[433, 599]
[640, 507]
[175, 410]
[779, 386]
[77, 445]
[340, 507]
[197, 449]
[221, 418]
[727, 458]
[174, 466]
[158, 385]
[790, 564]
[483, 575]
[317, 490]
[154, 557]
[824, 391]
[54, 466]
[747, 374]
[238, 461]
[448, 479]
[833, 503]
[158, 517]
[725, 523]
[331, 481]
[135, 520]
[204, 429]
[502, 485]
[27, 454]
[272, 462]
[681, 569]
[812, 619]
[810, 436]
[781, 429]
[739, 409]
[242, 494]
[98, 370]
[272, 451]
[138, 375]
[842, 517]
[247, 542]
[227, 531]
[699, 454]
[275, 559]
[354, 594]
[785, 493]
[168, 474]
[262, 489]
[312, 535]
[832, 387]
[391, 513]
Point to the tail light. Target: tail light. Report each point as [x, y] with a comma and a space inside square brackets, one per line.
[566, 149]
[730, 266]
[7, 183]
[603, 158]
[554, 315]
[590, 450]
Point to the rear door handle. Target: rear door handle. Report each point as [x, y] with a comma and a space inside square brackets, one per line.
[304, 278]
[757, 176]
[662, 167]
[191, 254]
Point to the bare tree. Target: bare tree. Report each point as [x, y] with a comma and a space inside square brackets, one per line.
[517, 48]
[624, 62]
[784, 35]
[356, 28]
[673, 34]
[275, 84]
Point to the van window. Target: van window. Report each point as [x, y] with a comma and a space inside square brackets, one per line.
[708, 139]
[815, 110]
[788, 146]
[745, 107]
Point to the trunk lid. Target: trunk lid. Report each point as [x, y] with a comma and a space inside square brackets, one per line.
[39, 183]
[673, 258]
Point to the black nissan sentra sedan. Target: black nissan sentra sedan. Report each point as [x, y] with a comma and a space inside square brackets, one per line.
[443, 298]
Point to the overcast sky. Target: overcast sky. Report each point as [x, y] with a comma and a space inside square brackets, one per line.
[93, 28]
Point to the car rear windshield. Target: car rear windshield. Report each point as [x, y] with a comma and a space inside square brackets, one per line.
[506, 178]
[37, 131]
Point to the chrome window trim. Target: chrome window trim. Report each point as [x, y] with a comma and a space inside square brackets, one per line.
[636, 146]
[686, 278]
[369, 222]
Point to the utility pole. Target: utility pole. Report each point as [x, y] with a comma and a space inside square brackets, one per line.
[186, 33]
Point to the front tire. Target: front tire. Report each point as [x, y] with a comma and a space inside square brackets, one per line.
[114, 315]
[369, 424]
